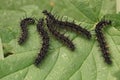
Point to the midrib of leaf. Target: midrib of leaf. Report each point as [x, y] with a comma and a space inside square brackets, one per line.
[96, 67]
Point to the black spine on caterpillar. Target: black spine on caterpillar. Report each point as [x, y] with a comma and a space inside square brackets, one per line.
[60, 36]
[101, 40]
[67, 24]
[45, 44]
[23, 24]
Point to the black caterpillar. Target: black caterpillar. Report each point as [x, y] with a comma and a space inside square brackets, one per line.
[59, 36]
[67, 24]
[45, 44]
[101, 40]
[23, 24]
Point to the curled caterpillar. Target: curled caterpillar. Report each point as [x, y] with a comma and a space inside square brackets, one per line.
[60, 36]
[67, 24]
[101, 40]
[23, 24]
[45, 44]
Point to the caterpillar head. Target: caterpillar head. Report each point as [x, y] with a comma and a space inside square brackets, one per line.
[29, 20]
[108, 22]
[45, 12]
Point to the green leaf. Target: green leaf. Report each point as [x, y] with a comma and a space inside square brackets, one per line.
[86, 62]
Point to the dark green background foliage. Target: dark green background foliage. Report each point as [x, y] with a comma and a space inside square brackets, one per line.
[85, 63]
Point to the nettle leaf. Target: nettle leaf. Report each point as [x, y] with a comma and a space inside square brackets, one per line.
[86, 62]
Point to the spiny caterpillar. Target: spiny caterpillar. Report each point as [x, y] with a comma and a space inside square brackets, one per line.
[101, 40]
[23, 24]
[45, 44]
[67, 24]
[59, 36]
